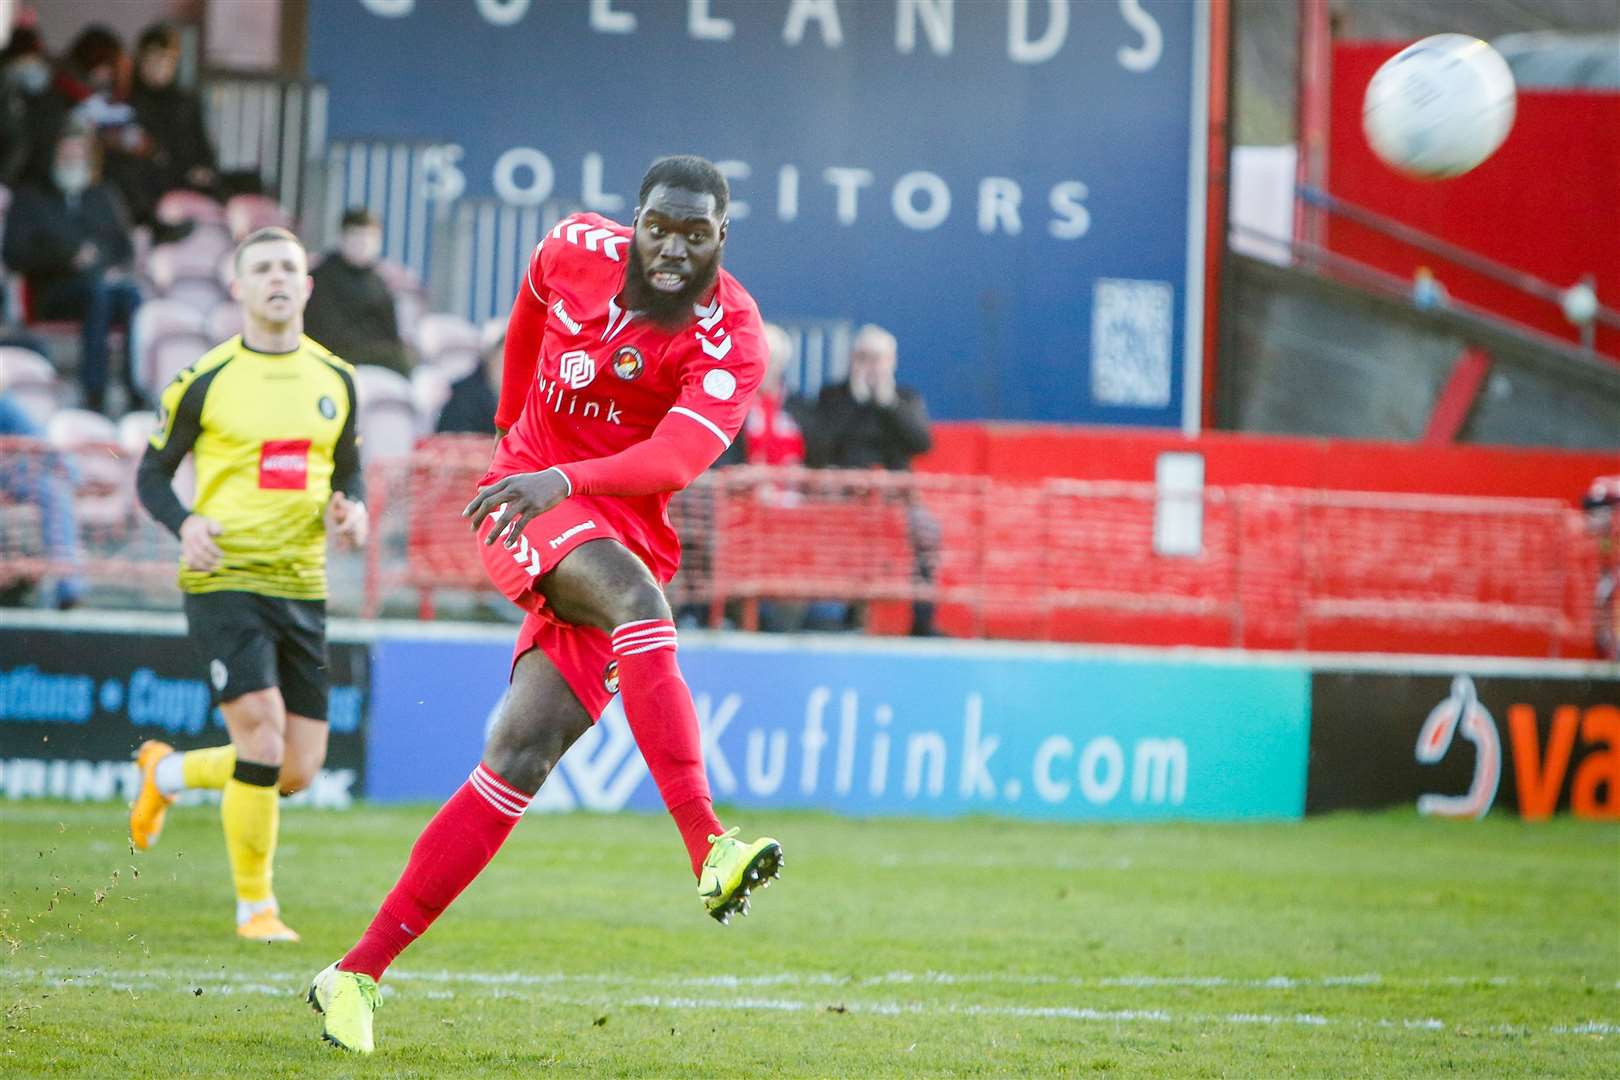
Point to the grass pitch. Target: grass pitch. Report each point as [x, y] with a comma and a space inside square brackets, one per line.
[1347, 946]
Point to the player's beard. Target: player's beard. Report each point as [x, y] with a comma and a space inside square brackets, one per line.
[666, 309]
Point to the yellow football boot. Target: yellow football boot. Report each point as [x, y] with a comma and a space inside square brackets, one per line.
[346, 1001]
[731, 871]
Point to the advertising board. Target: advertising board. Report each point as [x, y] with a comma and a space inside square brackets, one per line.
[892, 731]
[74, 705]
[1015, 189]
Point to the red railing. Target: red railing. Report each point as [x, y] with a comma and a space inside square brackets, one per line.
[1053, 559]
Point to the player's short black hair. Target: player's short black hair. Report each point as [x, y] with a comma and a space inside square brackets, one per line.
[356, 217]
[687, 171]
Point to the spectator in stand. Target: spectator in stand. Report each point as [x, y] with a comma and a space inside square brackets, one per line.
[1602, 507]
[352, 311]
[25, 79]
[173, 149]
[69, 236]
[470, 409]
[773, 433]
[872, 422]
[85, 90]
[45, 479]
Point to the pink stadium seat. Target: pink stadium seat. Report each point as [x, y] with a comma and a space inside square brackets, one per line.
[201, 294]
[388, 422]
[198, 256]
[30, 380]
[162, 317]
[430, 387]
[438, 332]
[134, 429]
[105, 495]
[180, 205]
[248, 213]
[167, 356]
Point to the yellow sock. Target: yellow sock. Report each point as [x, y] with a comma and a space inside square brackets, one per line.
[208, 768]
[251, 813]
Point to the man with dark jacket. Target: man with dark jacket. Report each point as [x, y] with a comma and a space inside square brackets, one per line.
[869, 421]
[168, 146]
[351, 311]
[69, 236]
[873, 422]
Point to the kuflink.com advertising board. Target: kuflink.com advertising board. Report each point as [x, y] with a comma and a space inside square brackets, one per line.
[1014, 187]
[892, 732]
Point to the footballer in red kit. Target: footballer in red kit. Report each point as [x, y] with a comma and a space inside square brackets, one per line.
[631, 361]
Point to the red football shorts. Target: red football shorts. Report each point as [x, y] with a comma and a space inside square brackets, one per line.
[582, 654]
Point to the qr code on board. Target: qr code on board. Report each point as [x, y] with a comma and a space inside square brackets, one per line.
[1130, 342]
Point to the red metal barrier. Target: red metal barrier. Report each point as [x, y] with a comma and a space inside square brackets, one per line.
[1054, 559]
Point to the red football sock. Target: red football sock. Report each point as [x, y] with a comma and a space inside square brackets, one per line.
[454, 848]
[659, 708]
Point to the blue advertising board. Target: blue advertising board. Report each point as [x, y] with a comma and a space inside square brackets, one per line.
[1015, 189]
[892, 731]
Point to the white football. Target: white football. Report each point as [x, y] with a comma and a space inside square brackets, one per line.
[1440, 106]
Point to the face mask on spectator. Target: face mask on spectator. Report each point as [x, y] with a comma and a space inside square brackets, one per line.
[360, 247]
[71, 179]
[30, 74]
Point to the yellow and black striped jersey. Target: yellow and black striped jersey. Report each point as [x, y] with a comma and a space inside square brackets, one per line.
[272, 435]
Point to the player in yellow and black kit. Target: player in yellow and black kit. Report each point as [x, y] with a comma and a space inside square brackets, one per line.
[269, 419]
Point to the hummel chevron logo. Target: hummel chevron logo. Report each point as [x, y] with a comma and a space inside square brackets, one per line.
[719, 351]
[523, 553]
[567, 320]
[591, 238]
[708, 316]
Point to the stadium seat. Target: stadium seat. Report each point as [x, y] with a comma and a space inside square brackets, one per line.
[135, 429]
[202, 294]
[167, 356]
[430, 387]
[30, 380]
[158, 318]
[181, 205]
[105, 493]
[388, 422]
[248, 213]
[440, 333]
[197, 256]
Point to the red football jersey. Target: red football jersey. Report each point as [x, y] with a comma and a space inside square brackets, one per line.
[604, 378]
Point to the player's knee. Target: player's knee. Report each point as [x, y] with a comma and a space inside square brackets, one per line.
[297, 775]
[524, 747]
[258, 723]
[637, 601]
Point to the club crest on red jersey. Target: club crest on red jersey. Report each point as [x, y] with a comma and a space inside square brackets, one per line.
[610, 677]
[627, 362]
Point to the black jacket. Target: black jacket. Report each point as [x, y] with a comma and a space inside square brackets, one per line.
[351, 312]
[44, 230]
[847, 434]
[173, 118]
[471, 405]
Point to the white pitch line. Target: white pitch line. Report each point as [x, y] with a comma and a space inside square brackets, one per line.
[1366, 980]
[500, 986]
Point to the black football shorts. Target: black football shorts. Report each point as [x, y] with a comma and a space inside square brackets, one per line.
[250, 642]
